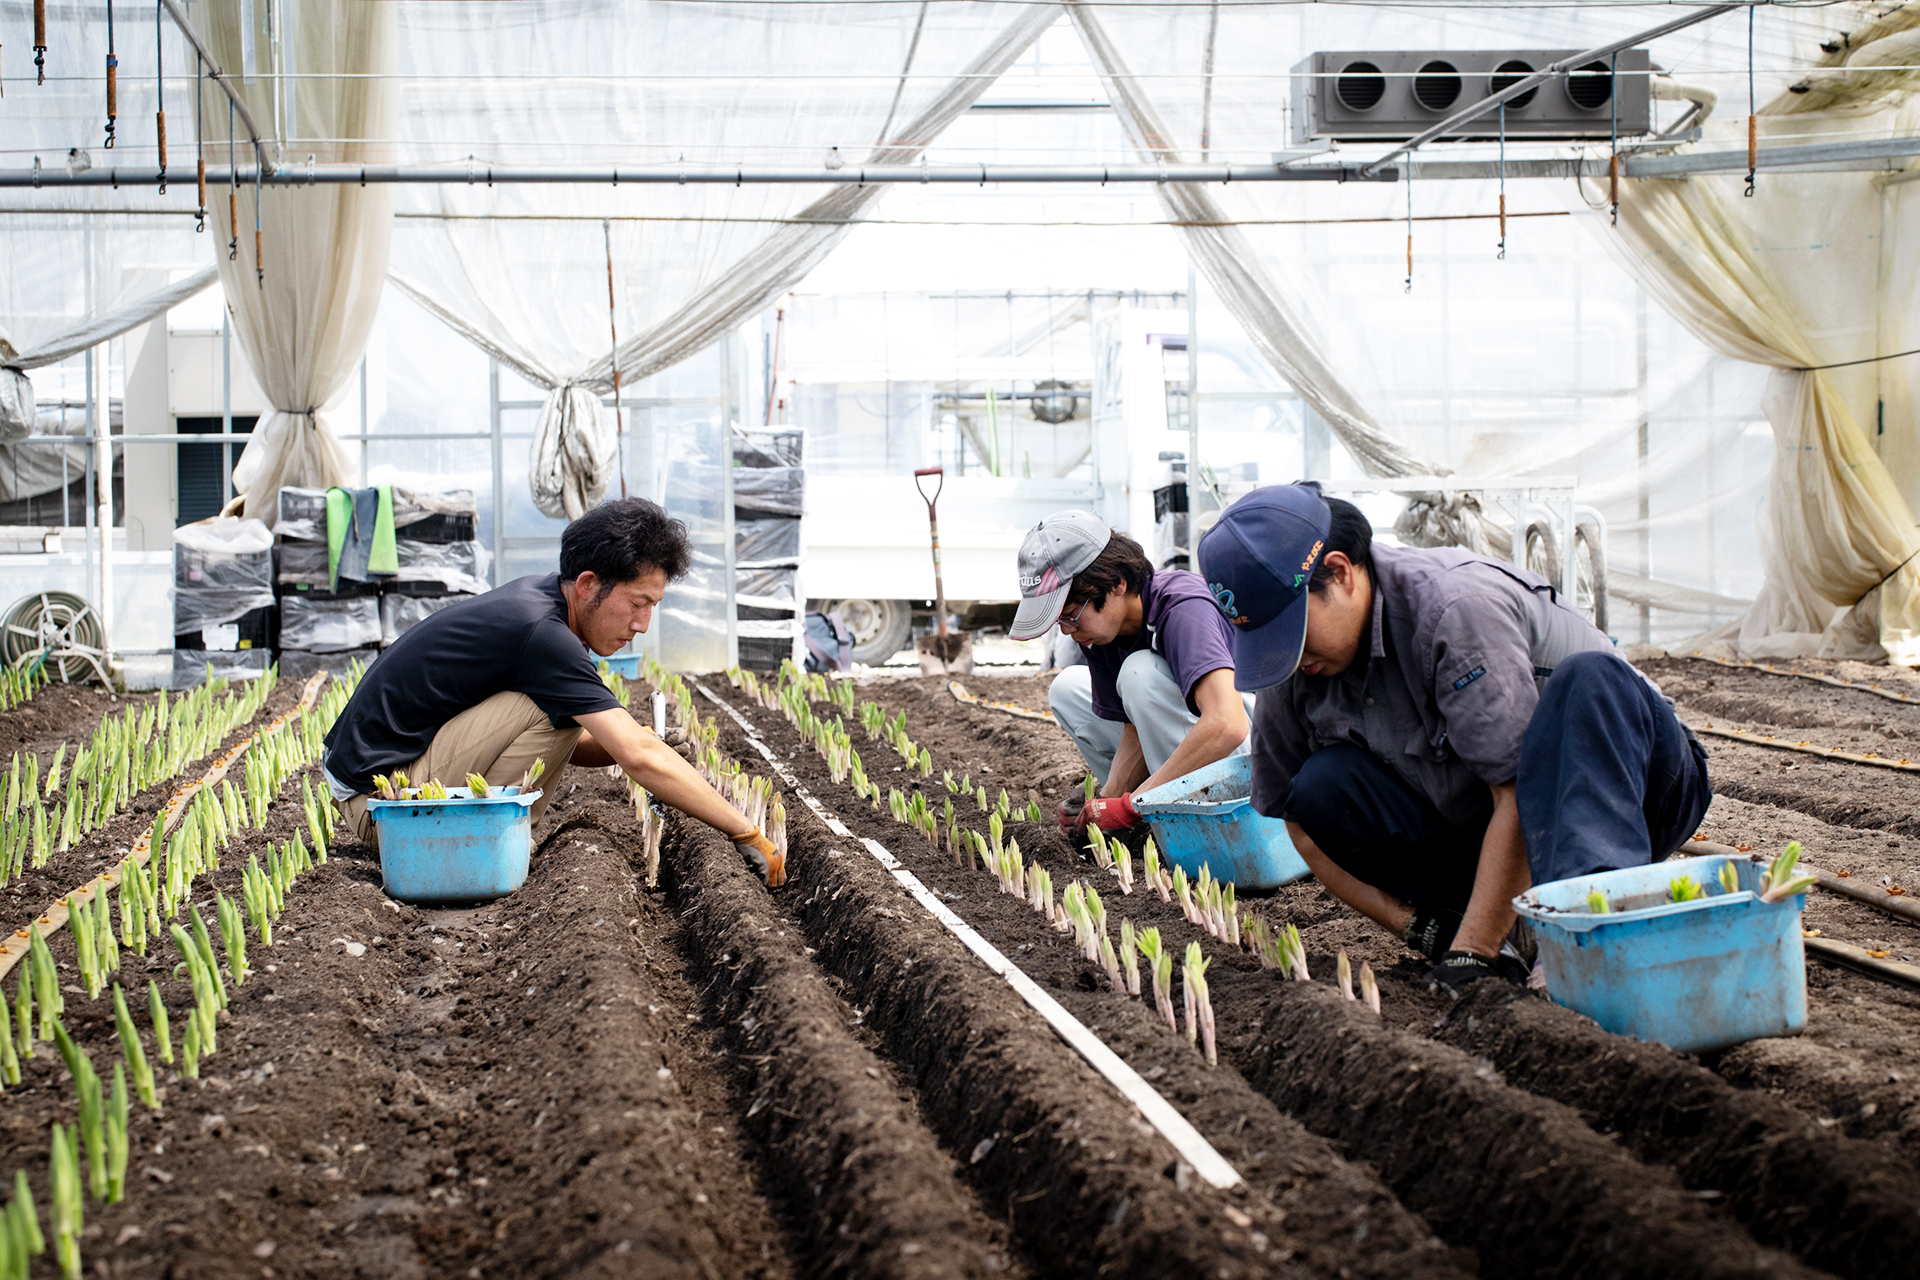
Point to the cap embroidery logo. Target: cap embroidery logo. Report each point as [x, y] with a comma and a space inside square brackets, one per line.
[1223, 599]
[1306, 566]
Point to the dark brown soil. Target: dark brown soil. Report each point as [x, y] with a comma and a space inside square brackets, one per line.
[525, 1089]
[69, 716]
[846, 1147]
[1843, 1205]
[1855, 1022]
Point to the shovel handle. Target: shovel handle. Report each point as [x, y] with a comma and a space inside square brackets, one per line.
[930, 471]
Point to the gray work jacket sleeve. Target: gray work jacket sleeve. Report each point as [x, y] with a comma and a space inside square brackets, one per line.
[1483, 681]
[1277, 747]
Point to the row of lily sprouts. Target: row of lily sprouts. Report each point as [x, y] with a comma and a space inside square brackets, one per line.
[751, 794]
[17, 684]
[149, 897]
[127, 753]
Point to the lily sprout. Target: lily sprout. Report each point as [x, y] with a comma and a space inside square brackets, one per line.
[1160, 964]
[1110, 960]
[133, 1051]
[1685, 889]
[1597, 903]
[1130, 956]
[1779, 882]
[68, 1212]
[1157, 878]
[1346, 975]
[1369, 988]
[1729, 877]
[1123, 864]
[1097, 841]
[1199, 1004]
[1185, 895]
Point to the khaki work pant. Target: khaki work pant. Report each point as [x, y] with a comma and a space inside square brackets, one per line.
[499, 739]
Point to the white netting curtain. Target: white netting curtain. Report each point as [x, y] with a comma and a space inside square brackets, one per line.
[1479, 366]
[523, 271]
[304, 321]
[1792, 279]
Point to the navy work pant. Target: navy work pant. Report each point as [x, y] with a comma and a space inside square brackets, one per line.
[1608, 778]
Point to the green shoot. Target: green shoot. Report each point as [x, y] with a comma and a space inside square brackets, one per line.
[68, 1210]
[131, 1049]
[1369, 988]
[1199, 1007]
[1685, 889]
[157, 1014]
[1729, 877]
[1597, 903]
[1780, 883]
[1346, 975]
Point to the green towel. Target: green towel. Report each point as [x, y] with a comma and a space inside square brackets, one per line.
[384, 558]
[360, 539]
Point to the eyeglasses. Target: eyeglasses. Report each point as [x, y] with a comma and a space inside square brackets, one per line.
[1069, 624]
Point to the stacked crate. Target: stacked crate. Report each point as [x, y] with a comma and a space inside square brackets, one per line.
[323, 627]
[223, 604]
[769, 493]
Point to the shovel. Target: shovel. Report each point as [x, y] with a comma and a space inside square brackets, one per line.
[948, 653]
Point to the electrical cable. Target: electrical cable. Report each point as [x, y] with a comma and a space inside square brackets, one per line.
[200, 140]
[1502, 255]
[1613, 128]
[1753, 112]
[233, 192]
[113, 81]
[1409, 168]
[613, 331]
[160, 89]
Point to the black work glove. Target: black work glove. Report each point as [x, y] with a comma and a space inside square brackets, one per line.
[1459, 970]
[1432, 930]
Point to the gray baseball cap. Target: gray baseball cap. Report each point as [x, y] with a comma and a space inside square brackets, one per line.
[1060, 546]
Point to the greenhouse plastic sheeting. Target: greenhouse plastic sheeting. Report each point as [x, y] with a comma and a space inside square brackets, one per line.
[769, 447]
[778, 491]
[766, 541]
[768, 588]
[400, 614]
[222, 568]
[329, 626]
[303, 512]
[190, 665]
[458, 566]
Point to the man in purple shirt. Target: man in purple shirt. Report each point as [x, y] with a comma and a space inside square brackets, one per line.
[1155, 699]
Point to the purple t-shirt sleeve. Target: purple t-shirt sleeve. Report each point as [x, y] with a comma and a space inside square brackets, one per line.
[1194, 640]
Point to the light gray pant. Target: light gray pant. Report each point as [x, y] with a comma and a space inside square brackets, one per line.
[1153, 703]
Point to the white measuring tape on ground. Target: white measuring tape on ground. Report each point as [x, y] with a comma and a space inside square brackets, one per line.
[1155, 1109]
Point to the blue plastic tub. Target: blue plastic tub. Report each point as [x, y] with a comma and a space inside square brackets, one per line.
[1694, 976]
[1205, 817]
[624, 665]
[455, 850]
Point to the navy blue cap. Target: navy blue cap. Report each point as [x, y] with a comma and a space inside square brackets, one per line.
[1257, 561]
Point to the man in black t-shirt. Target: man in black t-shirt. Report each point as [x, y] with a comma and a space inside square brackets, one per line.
[491, 684]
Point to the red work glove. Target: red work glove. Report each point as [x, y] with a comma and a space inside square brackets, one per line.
[1074, 816]
[1116, 814]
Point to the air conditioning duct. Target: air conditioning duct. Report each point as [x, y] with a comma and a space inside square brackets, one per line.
[1373, 96]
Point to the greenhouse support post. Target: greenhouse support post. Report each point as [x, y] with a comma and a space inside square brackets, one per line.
[103, 493]
[1193, 417]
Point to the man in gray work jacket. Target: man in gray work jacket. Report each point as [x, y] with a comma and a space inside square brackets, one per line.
[1437, 729]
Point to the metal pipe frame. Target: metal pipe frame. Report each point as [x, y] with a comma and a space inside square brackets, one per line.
[220, 77]
[1474, 111]
[1812, 157]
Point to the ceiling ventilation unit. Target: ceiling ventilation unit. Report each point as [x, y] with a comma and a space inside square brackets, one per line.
[1361, 96]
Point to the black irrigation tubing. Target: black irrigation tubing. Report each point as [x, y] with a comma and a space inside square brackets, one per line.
[1192, 1147]
[1838, 682]
[1774, 743]
[1862, 961]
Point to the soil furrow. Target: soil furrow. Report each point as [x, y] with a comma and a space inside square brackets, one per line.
[1850, 1207]
[515, 1090]
[1325, 1200]
[1524, 1179]
[876, 1195]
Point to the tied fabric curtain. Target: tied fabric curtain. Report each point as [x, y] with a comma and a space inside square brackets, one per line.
[1789, 280]
[303, 313]
[688, 263]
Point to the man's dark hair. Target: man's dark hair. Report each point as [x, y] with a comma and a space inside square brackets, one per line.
[622, 539]
[1120, 561]
[1350, 533]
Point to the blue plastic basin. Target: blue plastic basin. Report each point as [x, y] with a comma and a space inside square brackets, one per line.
[1699, 975]
[624, 665]
[455, 850]
[1206, 817]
